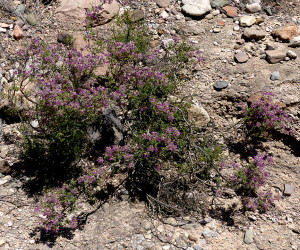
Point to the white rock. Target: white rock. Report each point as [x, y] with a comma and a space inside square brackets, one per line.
[291, 54]
[254, 7]
[2, 242]
[295, 42]
[247, 21]
[215, 12]
[167, 42]
[164, 14]
[2, 30]
[196, 7]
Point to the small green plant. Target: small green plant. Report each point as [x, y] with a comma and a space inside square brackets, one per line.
[128, 30]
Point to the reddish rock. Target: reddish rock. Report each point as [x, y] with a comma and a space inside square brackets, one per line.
[220, 22]
[286, 34]
[18, 33]
[230, 11]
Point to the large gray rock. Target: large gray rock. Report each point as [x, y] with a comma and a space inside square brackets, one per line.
[251, 33]
[75, 11]
[196, 7]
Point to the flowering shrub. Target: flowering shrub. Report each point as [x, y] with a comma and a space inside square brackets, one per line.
[70, 98]
[264, 115]
[66, 101]
[249, 179]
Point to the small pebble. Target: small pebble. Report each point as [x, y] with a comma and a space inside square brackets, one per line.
[275, 76]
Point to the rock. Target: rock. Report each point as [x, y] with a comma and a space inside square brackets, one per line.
[34, 123]
[108, 132]
[215, 12]
[199, 115]
[288, 189]
[2, 30]
[248, 237]
[164, 14]
[20, 9]
[275, 76]
[196, 7]
[209, 16]
[241, 57]
[5, 168]
[17, 33]
[31, 19]
[136, 15]
[286, 34]
[275, 56]
[230, 11]
[192, 237]
[166, 43]
[247, 21]
[64, 38]
[2, 242]
[216, 30]
[20, 23]
[5, 179]
[259, 20]
[163, 3]
[295, 42]
[220, 85]
[268, 10]
[253, 8]
[291, 54]
[220, 22]
[4, 25]
[219, 3]
[251, 33]
[75, 11]
[209, 233]
[270, 47]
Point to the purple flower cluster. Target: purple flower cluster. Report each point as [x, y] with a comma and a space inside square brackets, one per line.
[163, 108]
[254, 175]
[262, 202]
[263, 116]
[251, 178]
[156, 142]
[93, 14]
